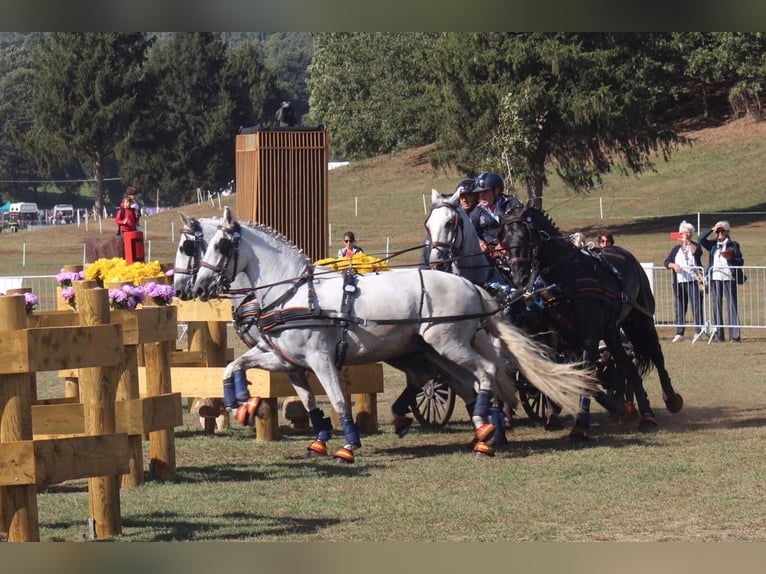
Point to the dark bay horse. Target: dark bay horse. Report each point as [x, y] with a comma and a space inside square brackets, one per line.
[598, 293]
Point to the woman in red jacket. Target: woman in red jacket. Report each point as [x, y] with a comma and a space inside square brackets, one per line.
[126, 217]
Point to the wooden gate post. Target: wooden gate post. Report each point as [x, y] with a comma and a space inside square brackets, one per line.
[18, 504]
[162, 446]
[98, 390]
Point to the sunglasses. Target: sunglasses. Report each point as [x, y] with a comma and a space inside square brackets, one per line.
[720, 231]
[347, 241]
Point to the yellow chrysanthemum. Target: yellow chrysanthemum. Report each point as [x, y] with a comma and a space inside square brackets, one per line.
[116, 269]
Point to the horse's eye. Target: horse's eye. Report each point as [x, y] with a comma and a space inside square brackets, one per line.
[224, 246]
[188, 248]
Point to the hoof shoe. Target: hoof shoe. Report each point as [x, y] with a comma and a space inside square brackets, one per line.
[647, 424]
[316, 449]
[402, 425]
[674, 404]
[344, 456]
[482, 449]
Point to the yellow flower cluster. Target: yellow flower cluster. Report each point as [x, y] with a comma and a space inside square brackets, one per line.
[116, 269]
[362, 262]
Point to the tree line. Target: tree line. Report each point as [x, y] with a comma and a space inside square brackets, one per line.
[161, 111]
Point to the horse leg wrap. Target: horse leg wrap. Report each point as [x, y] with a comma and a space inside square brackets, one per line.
[240, 387]
[246, 413]
[229, 396]
[497, 418]
[322, 425]
[350, 431]
[402, 425]
[469, 407]
[481, 409]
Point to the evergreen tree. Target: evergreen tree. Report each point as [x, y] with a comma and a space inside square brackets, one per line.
[86, 96]
[185, 140]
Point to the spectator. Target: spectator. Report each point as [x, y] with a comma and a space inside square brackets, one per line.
[685, 260]
[605, 239]
[493, 203]
[135, 206]
[350, 248]
[578, 240]
[126, 217]
[725, 253]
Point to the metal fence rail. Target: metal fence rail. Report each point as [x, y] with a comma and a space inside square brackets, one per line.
[752, 297]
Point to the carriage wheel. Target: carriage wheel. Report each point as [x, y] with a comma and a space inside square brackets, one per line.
[434, 403]
[532, 401]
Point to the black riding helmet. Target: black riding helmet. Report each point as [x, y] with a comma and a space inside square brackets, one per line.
[489, 180]
[466, 186]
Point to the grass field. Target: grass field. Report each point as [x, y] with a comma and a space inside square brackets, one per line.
[699, 478]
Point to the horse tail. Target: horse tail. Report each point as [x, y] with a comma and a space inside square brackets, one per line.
[563, 383]
[642, 334]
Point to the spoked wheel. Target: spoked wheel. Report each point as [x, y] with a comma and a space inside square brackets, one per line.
[532, 401]
[434, 403]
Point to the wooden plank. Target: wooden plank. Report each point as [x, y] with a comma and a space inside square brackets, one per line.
[149, 414]
[208, 381]
[52, 348]
[149, 324]
[53, 319]
[48, 461]
[204, 311]
[64, 418]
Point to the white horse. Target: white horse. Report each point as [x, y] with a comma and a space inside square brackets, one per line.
[318, 319]
[193, 241]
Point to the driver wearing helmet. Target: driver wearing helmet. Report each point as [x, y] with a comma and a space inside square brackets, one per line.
[493, 203]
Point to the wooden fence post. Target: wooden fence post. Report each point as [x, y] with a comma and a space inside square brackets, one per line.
[18, 504]
[98, 390]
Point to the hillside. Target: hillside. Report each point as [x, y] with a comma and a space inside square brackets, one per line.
[382, 200]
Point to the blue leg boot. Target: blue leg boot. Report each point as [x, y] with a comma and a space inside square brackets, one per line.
[351, 432]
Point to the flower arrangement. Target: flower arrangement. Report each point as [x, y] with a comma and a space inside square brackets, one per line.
[30, 300]
[361, 262]
[127, 297]
[67, 294]
[116, 269]
[65, 278]
[160, 294]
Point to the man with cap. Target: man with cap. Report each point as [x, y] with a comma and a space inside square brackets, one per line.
[493, 203]
[724, 259]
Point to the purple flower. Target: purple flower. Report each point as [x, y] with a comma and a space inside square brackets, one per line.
[161, 294]
[31, 300]
[127, 297]
[65, 278]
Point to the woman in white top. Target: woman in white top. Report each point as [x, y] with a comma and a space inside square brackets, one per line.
[685, 260]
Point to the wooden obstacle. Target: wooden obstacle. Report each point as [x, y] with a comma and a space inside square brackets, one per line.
[201, 374]
[99, 431]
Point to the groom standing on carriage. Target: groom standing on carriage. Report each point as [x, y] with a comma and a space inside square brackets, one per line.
[493, 203]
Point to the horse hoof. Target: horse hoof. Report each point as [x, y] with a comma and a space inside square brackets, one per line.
[675, 403]
[579, 434]
[316, 449]
[484, 432]
[245, 414]
[553, 424]
[344, 456]
[482, 449]
[629, 413]
[402, 425]
[647, 424]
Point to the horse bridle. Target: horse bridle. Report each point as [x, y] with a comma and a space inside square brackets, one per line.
[228, 247]
[533, 246]
[448, 248]
[193, 246]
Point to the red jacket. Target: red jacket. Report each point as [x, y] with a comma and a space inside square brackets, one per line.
[125, 219]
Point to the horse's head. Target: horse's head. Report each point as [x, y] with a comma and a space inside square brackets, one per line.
[219, 264]
[191, 248]
[444, 227]
[520, 242]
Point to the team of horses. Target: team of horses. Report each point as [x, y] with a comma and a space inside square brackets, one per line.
[297, 317]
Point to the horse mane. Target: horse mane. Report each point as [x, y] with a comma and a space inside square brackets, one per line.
[546, 217]
[271, 232]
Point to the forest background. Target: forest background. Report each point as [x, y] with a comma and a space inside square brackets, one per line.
[83, 115]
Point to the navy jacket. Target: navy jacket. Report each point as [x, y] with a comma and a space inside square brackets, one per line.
[712, 245]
